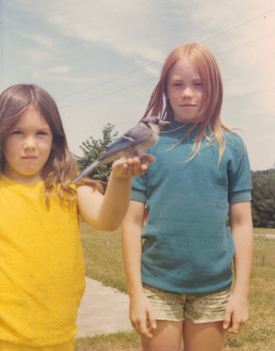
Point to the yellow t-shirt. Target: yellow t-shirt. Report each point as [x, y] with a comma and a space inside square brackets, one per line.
[42, 275]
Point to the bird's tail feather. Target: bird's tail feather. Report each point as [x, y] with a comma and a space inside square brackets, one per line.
[86, 172]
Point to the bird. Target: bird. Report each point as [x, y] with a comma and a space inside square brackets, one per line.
[133, 143]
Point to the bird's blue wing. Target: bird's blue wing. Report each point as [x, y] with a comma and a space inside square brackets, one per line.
[133, 137]
[128, 142]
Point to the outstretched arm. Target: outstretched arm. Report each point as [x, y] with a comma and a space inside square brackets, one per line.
[107, 212]
[236, 313]
[141, 312]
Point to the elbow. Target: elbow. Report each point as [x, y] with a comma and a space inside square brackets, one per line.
[111, 228]
[108, 227]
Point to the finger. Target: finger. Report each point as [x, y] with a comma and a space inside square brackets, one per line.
[140, 166]
[232, 331]
[152, 320]
[227, 320]
[147, 158]
[145, 166]
[144, 328]
[235, 327]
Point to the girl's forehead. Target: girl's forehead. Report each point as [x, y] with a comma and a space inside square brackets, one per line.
[184, 68]
[32, 117]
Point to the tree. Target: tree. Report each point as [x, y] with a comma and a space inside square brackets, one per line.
[93, 149]
[263, 199]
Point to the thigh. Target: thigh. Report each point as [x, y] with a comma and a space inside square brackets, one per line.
[203, 336]
[167, 337]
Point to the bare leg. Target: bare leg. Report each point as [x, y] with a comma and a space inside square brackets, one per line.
[203, 337]
[167, 337]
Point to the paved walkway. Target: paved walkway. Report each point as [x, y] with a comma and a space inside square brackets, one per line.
[105, 310]
[267, 236]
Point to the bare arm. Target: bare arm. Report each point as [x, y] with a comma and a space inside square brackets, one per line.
[141, 312]
[242, 232]
[107, 212]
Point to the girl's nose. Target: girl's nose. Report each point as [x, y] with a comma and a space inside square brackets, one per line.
[187, 92]
[29, 144]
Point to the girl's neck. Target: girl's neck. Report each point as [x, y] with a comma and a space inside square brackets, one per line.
[22, 179]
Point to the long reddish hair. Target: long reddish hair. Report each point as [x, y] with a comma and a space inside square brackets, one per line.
[60, 166]
[209, 115]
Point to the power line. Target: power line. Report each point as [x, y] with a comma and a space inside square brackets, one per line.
[111, 80]
[255, 92]
[117, 124]
[113, 92]
[126, 88]
[233, 98]
[252, 19]
[247, 43]
[152, 63]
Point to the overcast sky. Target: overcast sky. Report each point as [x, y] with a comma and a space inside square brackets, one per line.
[101, 59]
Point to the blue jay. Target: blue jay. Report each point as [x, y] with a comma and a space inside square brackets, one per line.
[133, 143]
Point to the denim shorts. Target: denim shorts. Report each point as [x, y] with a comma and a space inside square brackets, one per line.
[178, 306]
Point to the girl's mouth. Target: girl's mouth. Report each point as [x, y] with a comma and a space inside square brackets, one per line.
[29, 158]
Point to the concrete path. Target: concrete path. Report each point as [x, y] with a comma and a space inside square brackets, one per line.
[103, 310]
[266, 236]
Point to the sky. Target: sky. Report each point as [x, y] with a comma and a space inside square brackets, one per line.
[101, 59]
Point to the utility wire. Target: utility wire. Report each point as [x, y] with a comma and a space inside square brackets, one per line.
[152, 63]
[126, 88]
[255, 92]
[117, 124]
[247, 43]
[251, 20]
[134, 120]
[111, 93]
[111, 80]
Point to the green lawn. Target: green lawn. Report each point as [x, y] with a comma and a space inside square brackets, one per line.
[101, 248]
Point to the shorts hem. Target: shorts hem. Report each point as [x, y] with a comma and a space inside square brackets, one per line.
[205, 320]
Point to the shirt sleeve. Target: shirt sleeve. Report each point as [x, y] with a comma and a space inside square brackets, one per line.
[138, 192]
[239, 174]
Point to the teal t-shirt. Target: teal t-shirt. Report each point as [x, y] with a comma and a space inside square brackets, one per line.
[188, 246]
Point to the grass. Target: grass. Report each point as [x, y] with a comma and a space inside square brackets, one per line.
[103, 257]
[123, 341]
[103, 262]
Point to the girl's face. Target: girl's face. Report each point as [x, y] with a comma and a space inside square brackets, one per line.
[27, 148]
[184, 90]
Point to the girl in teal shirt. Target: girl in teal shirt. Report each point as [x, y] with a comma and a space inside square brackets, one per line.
[179, 281]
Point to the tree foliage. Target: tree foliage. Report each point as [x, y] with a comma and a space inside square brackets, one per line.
[263, 199]
[93, 149]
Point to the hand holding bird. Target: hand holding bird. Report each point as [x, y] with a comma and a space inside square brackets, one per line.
[130, 145]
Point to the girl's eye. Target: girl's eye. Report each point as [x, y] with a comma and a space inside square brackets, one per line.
[16, 132]
[42, 133]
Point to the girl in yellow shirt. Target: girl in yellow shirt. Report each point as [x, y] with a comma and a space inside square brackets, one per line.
[41, 265]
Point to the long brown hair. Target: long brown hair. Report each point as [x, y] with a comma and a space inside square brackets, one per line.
[60, 166]
[209, 115]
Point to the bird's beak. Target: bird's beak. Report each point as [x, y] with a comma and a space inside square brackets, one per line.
[163, 123]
